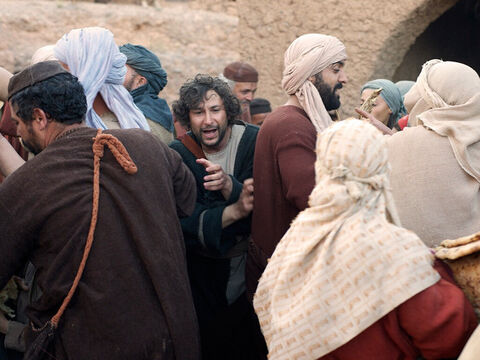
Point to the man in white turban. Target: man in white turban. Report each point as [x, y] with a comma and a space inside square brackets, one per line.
[285, 151]
[436, 161]
[93, 57]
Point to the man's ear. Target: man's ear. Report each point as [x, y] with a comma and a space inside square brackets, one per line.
[142, 80]
[39, 118]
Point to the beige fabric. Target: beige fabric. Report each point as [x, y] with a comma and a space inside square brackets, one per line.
[435, 165]
[5, 76]
[45, 53]
[306, 56]
[471, 351]
[160, 132]
[450, 91]
[341, 266]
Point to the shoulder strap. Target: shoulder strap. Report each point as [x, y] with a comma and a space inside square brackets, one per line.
[192, 146]
[123, 158]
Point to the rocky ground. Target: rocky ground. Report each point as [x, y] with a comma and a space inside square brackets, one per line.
[187, 38]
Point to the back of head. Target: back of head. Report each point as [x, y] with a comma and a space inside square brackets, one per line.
[404, 86]
[92, 55]
[46, 85]
[240, 72]
[260, 106]
[147, 64]
[352, 146]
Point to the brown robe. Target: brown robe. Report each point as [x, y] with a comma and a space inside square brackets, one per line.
[134, 299]
[284, 175]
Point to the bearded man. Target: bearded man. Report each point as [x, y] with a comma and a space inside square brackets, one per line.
[144, 79]
[284, 160]
[219, 151]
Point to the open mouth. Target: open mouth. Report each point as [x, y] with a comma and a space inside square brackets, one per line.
[209, 133]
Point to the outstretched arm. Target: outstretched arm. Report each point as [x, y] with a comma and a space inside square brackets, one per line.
[9, 159]
[5, 76]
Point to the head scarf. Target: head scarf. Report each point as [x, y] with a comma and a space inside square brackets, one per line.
[240, 72]
[45, 53]
[392, 96]
[446, 99]
[306, 56]
[147, 64]
[404, 86]
[342, 265]
[93, 57]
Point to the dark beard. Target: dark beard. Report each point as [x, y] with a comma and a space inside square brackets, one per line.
[329, 98]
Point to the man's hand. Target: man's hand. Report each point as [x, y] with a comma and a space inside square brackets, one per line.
[375, 122]
[216, 178]
[242, 207]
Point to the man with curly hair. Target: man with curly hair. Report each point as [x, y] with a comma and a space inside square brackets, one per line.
[219, 150]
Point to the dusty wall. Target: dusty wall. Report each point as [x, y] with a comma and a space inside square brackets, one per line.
[376, 34]
[183, 35]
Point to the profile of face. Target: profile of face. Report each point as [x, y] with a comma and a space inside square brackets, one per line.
[29, 133]
[328, 81]
[209, 123]
[245, 93]
[133, 79]
[380, 109]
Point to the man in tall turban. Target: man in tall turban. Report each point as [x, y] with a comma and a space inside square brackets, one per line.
[145, 78]
[285, 155]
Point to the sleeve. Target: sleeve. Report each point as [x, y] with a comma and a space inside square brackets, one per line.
[184, 185]
[14, 338]
[296, 162]
[15, 242]
[439, 320]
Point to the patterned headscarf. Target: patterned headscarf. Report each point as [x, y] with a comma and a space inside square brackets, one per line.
[342, 265]
[446, 99]
[93, 57]
[392, 96]
[306, 56]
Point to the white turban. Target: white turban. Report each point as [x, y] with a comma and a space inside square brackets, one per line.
[93, 57]
[306, 56]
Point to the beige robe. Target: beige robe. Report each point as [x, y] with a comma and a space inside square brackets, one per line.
[435, 198]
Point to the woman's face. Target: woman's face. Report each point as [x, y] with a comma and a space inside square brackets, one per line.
[380, 109]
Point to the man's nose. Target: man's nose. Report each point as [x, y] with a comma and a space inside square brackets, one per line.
[343, 77]
[249, 96]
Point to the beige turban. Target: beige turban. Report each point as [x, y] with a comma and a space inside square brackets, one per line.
[306, 56]
[342, 265]
[446, 99]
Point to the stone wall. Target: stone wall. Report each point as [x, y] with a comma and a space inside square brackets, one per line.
[377, 35]
[187, 39]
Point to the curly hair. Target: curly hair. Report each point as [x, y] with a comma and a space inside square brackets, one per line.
[61, 97]
[192, 93]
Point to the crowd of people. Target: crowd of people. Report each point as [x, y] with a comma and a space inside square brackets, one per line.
[220, 228]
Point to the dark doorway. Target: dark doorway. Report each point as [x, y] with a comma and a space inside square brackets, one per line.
[454, 36]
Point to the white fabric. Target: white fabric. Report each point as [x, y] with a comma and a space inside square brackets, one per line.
[341, 266]
[306, 56]
[92, 55]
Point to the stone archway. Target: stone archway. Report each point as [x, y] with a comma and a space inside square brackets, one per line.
[454, 36]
